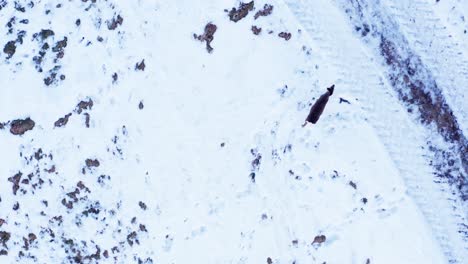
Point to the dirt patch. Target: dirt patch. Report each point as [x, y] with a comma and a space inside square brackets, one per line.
[266, 11]
[20, 126]
[256, 30]
[242, 11]
[207, 36]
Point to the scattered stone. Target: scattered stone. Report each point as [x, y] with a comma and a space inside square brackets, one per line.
[67, 204]
[45, 33]
[269, 261]
[256, 30]
[207, 36]
[342, 100]
[87, 119]
[62, 121]
[60, 45]
[20, 126]
[20, 8]
[142, 205]
[319, 239]
[256, 160]
[364, 200]
[50, 79]
[353, 184]
[38, 155]
[15, 180]
[3, 252]
[92, 163]
[241, 12]
[132, 238]
[285, 35]
[223, 144]
[16, 206]
[4, 237]
[78, 22]
[252, 176]
[115, 77]
[32, 237]
[140, 65]
[115, 22]
[266, 11]
[10, 49]
[140, 105]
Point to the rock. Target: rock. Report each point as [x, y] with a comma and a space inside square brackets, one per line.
[4, 237]
[84, 105]
[207, 36]
[45, 33]
[241, 12]
[285, 35]
[15, 180]
[140, 65]
[9, 49]
[142, 205]
[256, 30]
[115, 22]
[20, 126]
[92, 163]
[62, 121]
[266, 11]
[319, 239]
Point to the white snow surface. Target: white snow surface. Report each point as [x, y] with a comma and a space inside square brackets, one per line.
[177, 171]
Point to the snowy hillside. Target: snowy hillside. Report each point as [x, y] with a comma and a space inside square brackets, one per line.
[170, 132]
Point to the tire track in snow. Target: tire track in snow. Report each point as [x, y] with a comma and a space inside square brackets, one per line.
[438, 50]
[360, 76]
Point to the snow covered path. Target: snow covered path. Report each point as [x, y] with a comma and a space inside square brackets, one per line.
[149, 147]
[363, 75]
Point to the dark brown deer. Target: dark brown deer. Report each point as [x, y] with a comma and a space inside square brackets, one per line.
[317, 109]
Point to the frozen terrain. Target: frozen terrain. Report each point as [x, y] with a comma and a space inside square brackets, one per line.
[170, 132]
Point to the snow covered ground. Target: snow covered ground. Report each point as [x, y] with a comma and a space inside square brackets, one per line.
[170, 132]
